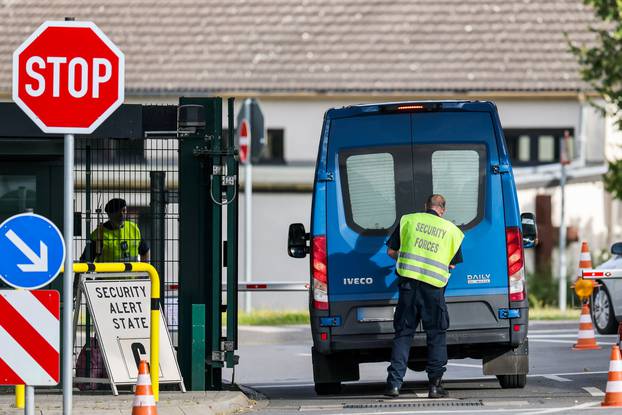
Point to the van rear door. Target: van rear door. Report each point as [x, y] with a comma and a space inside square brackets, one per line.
[455, 154]
[385, 165]
[372, 160]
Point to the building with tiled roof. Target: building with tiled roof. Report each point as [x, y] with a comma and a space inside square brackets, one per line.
[326, 48]
[301, 57]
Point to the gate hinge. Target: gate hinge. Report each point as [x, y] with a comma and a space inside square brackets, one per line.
[326, 176]
[500, 168]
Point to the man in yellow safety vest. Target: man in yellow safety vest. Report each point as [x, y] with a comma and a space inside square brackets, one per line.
[118, 239]
[426, 248]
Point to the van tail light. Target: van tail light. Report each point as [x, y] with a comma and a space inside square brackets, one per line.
[516, 263]
[319, 273]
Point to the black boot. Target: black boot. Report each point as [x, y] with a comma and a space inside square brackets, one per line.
[391, 391]
[436, 390]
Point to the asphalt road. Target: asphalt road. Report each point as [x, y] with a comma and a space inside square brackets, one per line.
[276, 362]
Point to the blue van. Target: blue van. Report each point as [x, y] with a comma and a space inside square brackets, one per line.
[378, 162]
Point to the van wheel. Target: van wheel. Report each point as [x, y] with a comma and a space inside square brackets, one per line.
[333, 388]
[512, 381]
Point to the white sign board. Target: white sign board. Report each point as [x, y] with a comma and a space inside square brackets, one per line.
[120, 310]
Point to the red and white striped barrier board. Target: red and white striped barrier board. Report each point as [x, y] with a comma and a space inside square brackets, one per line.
[29, 337]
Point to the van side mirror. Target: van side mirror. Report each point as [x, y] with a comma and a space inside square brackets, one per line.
[616, 249]
[297, 241]
[530, 230]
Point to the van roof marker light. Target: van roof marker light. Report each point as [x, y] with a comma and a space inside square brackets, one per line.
[410, 107]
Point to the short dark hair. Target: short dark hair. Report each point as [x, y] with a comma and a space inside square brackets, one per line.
[435, 200]
[115, 205]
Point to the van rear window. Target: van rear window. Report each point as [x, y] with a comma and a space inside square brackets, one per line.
[371, 184]
[374, 203]
[455, 175]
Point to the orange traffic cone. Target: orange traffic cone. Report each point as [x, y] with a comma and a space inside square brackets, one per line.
[144, 402]
[586, 340]
[613, 394]
[585, 258]
[583, 288]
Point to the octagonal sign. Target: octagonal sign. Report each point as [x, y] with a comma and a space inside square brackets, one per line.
[68, 77]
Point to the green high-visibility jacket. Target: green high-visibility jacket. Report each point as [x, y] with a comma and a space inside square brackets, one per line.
[118, 245]
[427, 245]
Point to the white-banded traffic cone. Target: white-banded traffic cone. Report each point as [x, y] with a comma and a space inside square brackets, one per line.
[144, 402]
[586, 338]
[613, 394]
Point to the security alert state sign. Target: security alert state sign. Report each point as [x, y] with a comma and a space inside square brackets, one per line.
[68, 77]
[120, 310]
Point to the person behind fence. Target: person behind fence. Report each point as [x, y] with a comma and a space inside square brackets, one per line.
[426, 248]
[118, 239]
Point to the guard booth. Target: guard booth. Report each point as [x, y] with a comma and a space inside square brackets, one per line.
[178, 175]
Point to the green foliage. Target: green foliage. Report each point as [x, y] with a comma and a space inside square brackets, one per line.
[601, 67]
[542, 290]
[273, 318]
[613, 179]
[553, 313]
[601, 63]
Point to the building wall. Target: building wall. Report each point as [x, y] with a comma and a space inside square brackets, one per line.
[589, 207]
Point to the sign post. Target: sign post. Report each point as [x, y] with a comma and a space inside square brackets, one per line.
[68, 77]
[564, 160]
[251, 141]
[33, 253]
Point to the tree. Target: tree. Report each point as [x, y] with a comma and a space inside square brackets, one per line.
[601, 67]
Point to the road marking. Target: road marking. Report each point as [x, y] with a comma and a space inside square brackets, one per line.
[281, 385]
[565, 341]
[465, 365]
[303, 354]
[596, 372]
[593, 391]
[479, 411]
[571, 408]
[447, 380]
[568, 335]
[270, 329]
[557, 378]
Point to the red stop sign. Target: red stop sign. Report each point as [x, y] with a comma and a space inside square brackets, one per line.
[68, 77]
[244, 141]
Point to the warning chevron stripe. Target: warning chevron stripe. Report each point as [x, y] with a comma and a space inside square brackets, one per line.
[29, 335]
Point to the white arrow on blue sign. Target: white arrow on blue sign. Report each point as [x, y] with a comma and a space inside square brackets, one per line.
[32, 251]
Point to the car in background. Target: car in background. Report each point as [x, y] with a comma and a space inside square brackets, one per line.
[606, 302]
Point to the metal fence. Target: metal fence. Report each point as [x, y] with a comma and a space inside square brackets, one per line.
[144, 173]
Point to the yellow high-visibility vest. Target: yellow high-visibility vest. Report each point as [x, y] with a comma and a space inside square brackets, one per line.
[118, 245]
[428, 243]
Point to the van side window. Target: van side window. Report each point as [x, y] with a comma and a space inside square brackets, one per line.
[371, 185]
[456, 175]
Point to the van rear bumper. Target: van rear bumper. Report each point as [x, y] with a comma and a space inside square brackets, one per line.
[382, 341]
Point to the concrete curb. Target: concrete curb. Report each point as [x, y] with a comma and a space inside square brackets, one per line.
[190, 403]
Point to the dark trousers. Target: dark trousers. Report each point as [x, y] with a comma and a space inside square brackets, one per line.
[419, 302]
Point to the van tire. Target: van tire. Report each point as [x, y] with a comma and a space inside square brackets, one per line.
[512, 381]
[333, 388]
[604, 320]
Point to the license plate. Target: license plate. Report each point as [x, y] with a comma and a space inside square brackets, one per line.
[375, 314]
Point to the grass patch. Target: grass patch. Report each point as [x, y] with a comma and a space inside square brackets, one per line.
[283, 318]
[552, 313]
[273, 318]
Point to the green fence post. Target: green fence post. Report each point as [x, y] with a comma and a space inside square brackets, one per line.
[197, 381]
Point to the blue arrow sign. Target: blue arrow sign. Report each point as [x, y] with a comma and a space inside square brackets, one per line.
[32, 251]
